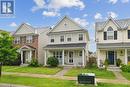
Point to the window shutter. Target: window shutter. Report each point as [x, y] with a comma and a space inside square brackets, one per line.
[128, 34]
[115, 35]
[105, 35]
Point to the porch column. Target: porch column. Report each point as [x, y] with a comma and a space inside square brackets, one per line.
[126, 61]
[98, 57]
[30, 56]
[83, 59]
[21, 57]
[45, 58]
[62, 57]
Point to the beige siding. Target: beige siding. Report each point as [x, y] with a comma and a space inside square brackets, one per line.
[69, 26]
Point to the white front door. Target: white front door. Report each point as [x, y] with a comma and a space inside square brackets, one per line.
[71, 57]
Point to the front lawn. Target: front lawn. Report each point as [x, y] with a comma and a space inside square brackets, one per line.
[33, 70]
[126, 75]
[47, 82]
[99, 73]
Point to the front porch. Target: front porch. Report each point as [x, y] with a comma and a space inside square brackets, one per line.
[27, 53]
[113, 54]
[67, 57]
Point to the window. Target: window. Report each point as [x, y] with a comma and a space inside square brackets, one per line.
[29, 39]
[80, 53]
[61, 38]
[69, 39]
[128, 34]
[110, 33]
[80, 37]
[57, 54]
[52, 40]
[17, 40]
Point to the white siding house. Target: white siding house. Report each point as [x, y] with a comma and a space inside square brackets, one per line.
[113, 41]
[68, 42]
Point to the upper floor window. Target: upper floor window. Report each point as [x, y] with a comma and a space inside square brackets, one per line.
[80, 37]
[52, 40]
[61, 38]
[29, 39]
[128, 34]
[69, 38]
[17, 40]
[110, 33]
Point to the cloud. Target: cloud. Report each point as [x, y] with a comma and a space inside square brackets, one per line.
[81, 22]
[50, 13]
[113, 1]
[98, 16]
[39, 5]
[112, 14]
[13, 24]
[56, 5]
[59, 4]
[125, 1]
[85, 15]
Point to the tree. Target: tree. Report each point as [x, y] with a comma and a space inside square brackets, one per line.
[8, 53]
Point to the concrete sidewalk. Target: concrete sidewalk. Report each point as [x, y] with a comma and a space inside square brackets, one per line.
[12, 85]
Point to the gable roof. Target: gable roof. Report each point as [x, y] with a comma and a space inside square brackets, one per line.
[121, 24]
[25, 25]
[69, 20]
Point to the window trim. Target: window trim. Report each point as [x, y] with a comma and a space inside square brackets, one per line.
[81, 37]
[62, 39]
[29, 39]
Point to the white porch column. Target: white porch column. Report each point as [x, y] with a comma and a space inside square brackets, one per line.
[30, 58]
[45, 58]
[83, 58]
[21, 57]
[126, 57]
[62, 57]
[98, 57]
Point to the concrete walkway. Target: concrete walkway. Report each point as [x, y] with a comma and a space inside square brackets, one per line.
[12, 85]
[114, 81]
[64, 71]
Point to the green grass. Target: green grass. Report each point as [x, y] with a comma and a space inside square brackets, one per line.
[47, 82]
[99, 73]
[126, 75]
[33, 70]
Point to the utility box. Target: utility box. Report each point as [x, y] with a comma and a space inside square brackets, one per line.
[86, 78]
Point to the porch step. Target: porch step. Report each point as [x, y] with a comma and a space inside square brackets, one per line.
[113, 68]
[22, 65]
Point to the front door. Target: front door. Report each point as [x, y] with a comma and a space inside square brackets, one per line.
[70, 57]
[111, 57]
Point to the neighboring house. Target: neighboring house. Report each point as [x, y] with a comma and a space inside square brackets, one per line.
[113, 41]
[68, 42]
[28, 39]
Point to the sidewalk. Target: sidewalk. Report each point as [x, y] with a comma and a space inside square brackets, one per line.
[12, 85]
[114, 81]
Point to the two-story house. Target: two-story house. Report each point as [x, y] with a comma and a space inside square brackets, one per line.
[113, 41]
[29, 40]
[68, 42]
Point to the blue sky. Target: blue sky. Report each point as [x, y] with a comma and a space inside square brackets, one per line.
[40, 13]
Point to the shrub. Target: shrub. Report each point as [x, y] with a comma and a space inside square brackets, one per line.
[34, 63]
[125, 68]
[106, 63]
[118, 62]
[92, 63]
[53, 62]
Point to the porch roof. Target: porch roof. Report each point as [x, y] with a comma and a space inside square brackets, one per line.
[27, 47]
[71, 45]
[113, 45]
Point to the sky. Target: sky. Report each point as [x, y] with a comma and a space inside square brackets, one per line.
[42, 13]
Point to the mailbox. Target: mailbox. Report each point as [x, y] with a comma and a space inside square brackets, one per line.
[86, 78]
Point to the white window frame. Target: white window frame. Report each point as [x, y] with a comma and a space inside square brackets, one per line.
[69, 36]
[29, 39]
[110, 34]
[17, 40]
[81, 35]
[52, 37]
[62, 38]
